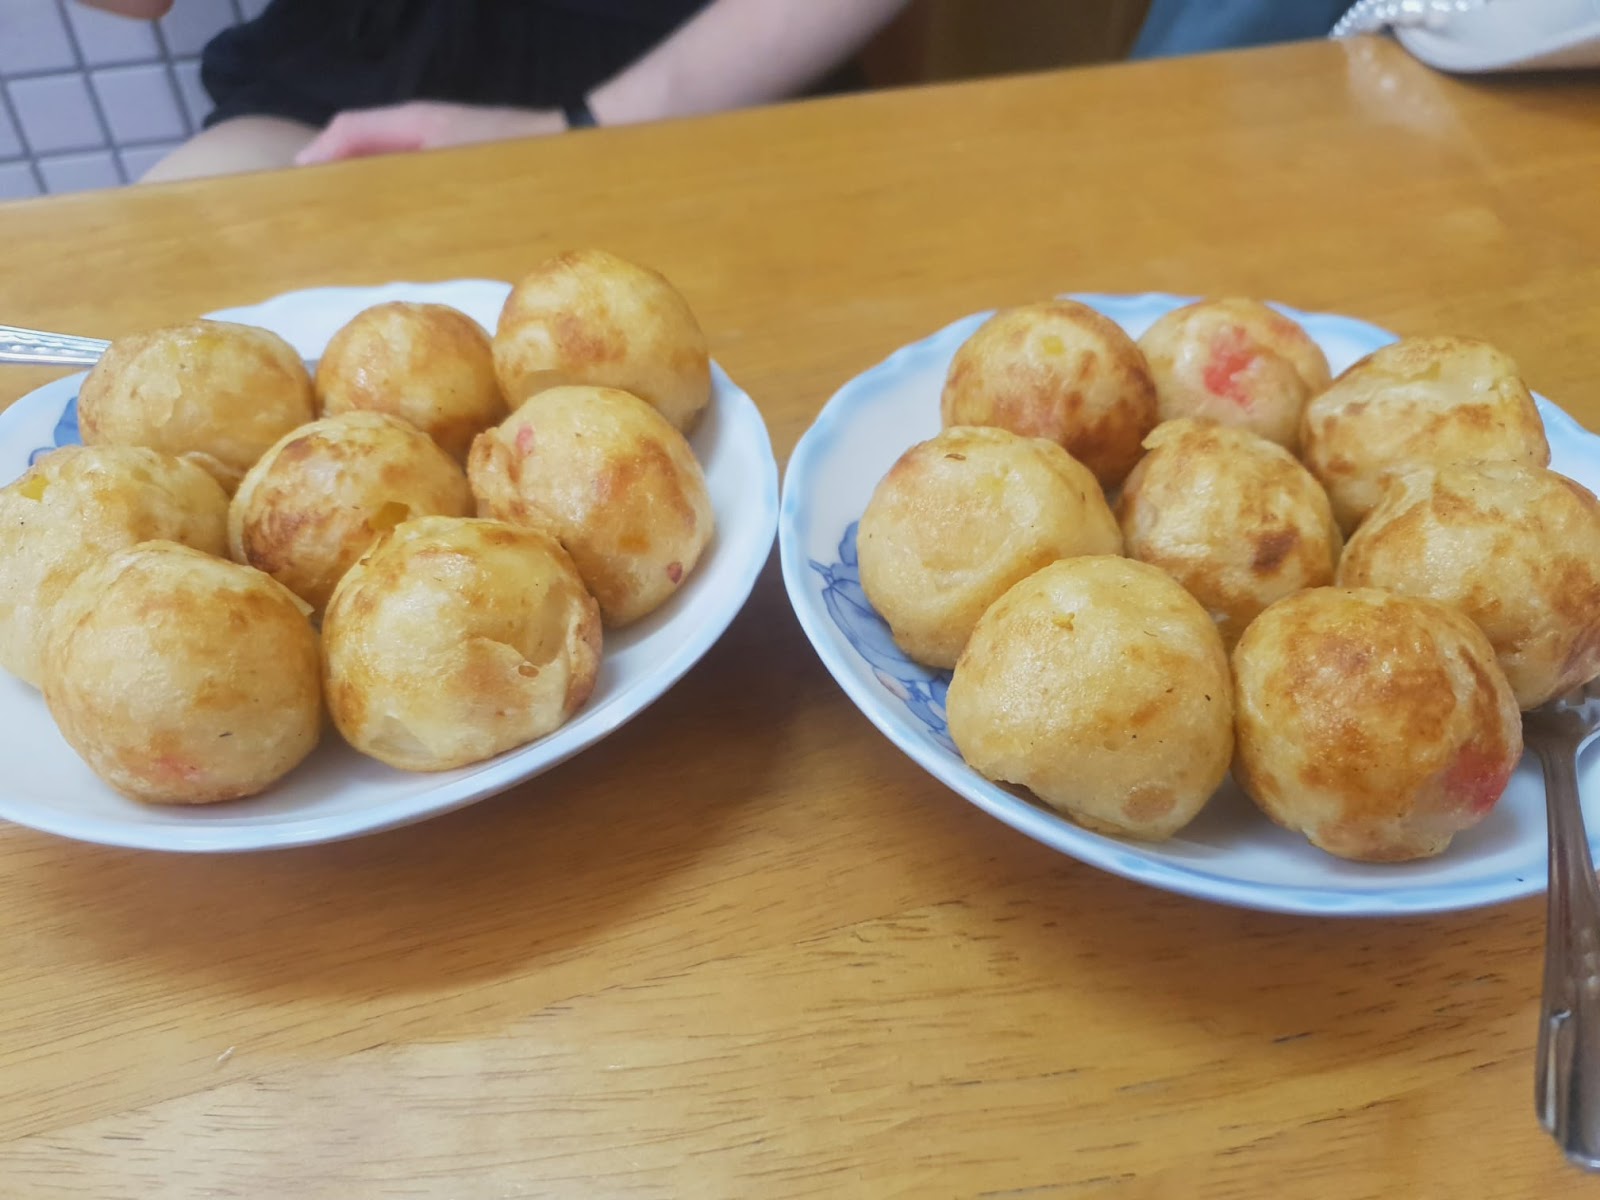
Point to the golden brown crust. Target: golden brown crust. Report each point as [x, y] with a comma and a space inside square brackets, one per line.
[181, 678]
[319, 498]
[612, 479]
[1231, 516]
[1237, 362]
[1059, 371]
[588, 317]
[1417, 402]
[75, 506]
[1378, 725]
[457, 639]
[1516, 548]
[1102, 686]
[963, 516]
[213, 392]
[428, 364]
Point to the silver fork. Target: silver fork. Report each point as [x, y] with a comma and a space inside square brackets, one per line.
[37, 348]
[1567, 1074]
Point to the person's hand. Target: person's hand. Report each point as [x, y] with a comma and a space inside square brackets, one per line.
[423, 125]
[139, 10]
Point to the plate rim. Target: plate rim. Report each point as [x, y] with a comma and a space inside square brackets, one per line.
[1127, 859]
[483, 780]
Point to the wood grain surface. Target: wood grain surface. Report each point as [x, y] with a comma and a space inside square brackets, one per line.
[745, 948]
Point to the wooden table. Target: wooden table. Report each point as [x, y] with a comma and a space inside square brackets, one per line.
[745, 948]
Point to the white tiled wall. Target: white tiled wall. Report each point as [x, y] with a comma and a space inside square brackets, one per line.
[91, 100]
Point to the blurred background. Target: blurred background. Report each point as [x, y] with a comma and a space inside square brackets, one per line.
[962, 39]
[89, 100]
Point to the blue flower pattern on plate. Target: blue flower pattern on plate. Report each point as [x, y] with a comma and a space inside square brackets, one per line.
[66, 432]
[921, 689]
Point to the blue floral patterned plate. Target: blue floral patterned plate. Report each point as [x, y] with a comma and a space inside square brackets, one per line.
[1231, 853]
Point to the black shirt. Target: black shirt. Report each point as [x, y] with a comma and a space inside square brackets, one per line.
[309, 59]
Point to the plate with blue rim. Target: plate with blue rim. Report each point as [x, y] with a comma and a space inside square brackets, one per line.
[337, 793]
[1231, 853]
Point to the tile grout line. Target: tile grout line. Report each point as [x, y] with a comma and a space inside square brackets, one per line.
[58, 72]
[94, 93]
[170, 69]
[29, 155]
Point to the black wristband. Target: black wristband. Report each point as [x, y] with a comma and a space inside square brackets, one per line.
[578, 114]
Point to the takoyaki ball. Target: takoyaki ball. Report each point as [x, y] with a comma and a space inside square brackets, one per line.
[428, 364]
[456, 639]
[607, 475]
[1233, 517]
[181, 678]
[317, 500]
[1377, 725]
[1236, 362]
[1417, 402]
[1102, 686]
[588, 317]
[1060, 371]
[963, 516]
[1515, 548]
[210, 391]
[75, 506]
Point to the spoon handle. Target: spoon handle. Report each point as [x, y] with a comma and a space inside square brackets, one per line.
[36, 348]
[1567, 1072]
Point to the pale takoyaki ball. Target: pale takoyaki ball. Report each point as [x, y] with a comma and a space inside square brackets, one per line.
[317, 500]
[1233, 517]
[1236, 362]
[1377, 725]
[1417, 402]
[456, 639]
[210, 391]
[963, 516]
[588, 317]
[75, 506]
[609, 477]
[1102, 686]
[1515, 548]
[428, 364]
[181, 678]
[1060, 371]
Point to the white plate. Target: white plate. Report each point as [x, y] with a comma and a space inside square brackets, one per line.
[1231, 853]
[338, 793]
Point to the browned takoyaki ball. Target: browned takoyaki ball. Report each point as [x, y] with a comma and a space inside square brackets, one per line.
[428, 364]
[1378, 725]
[588, 317]
[1417, 402]
[1516, 548]
[609, 477]
[1102, 686]
[210, 391]
[182, 678]
[75, 506]
[1237, 362]
[1060, 371]
[963, 516]
[456, 639]
[318, 499]
[1233, 517]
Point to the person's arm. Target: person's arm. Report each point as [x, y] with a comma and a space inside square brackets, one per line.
[740, 52]
[734, 53]
[143, 10]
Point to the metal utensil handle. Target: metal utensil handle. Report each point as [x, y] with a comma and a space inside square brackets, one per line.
[1567, 1072]
[38, 348]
